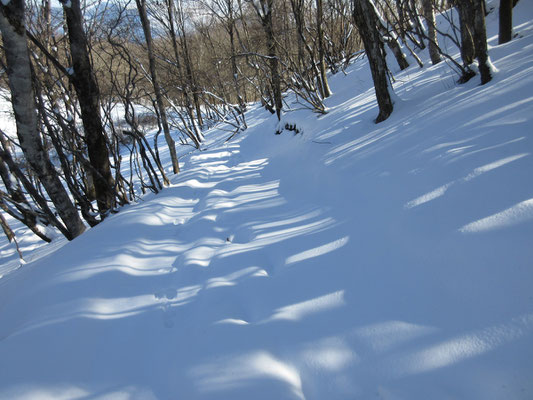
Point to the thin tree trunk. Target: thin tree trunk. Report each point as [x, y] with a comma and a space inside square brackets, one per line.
[273, 58]
[324, 85]
[141, 7]
[48, 215]
[10, 235]
[185, 90]
[234, 69]
[28, 216]
[20, 82]
[192, 82]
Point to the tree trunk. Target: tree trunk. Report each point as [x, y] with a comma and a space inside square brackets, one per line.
[89, 100]
[192, 81]
[10, 235]
[20, 82]
[480, 42]
[141, 7]
[366, 23]
[26, 213]
[188, 103]
[273, 58]
[324, 85]
[466, 24]
[390, 37]
[264, 12]
[506, 21]
[429, 15]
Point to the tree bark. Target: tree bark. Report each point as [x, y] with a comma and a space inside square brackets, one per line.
[264, 12]
[20, 82]
[324, 85]
[188, 103]
[10, 235]
[231, 32]
[480, 42]
[366, 23]
[466, 24]
[273, 58]
[506, 21]
[389, 37]
[89, 99]
[141, 7]
[429, 15]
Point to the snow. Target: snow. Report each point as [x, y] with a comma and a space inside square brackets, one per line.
[353, 260]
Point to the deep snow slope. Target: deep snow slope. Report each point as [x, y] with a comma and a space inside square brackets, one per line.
[353, 261]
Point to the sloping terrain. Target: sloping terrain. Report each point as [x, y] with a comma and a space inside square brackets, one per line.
[353, 260]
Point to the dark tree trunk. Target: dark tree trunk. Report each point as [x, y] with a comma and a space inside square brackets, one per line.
[273, 58]
[466, 24]
[326, 91]
[19, 73]
[389, 36]
[480, 42]
[89, 100]
[366, 23]
[506, 21]
[234, 69]
[264, 12]
[298, 13]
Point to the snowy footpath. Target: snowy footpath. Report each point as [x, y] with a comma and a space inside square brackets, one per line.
[351, 261]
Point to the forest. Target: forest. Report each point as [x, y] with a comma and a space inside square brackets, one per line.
[88, 79]
[266, 199]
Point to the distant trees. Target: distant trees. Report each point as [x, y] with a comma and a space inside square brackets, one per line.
[88, 80]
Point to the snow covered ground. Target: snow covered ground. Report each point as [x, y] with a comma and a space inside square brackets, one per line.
[353, 261]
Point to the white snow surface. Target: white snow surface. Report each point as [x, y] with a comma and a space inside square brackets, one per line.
[353, 261]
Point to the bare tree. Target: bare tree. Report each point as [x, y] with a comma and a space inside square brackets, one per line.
[365, 20]
[12, 26]
[429, 15]
[466, 24]
[141, 7]
[388, 36]
[324, 85]
[480, 42]
[88, 94]
[506, 21]
[264, 10]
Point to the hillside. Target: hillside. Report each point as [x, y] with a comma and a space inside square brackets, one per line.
[349, 261]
